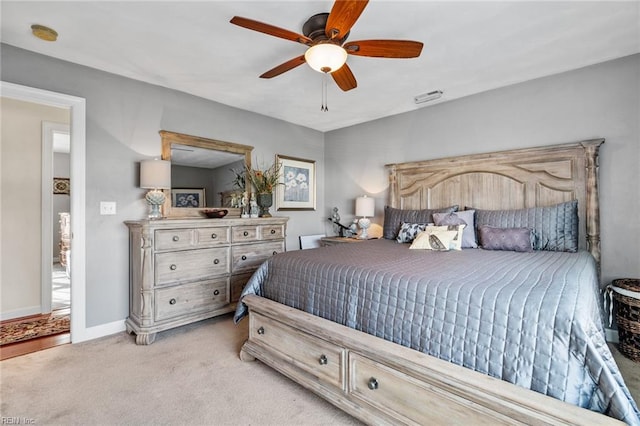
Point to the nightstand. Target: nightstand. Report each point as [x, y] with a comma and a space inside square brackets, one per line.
[332, 241]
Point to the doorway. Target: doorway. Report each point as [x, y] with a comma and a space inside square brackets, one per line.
[56, 216]
[76, 108]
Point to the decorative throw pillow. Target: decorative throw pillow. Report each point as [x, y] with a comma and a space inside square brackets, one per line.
[511, 239]
[456, 243]
[439, 240]
[409, 231]
[464, 217]
[554, 228]
[393, 218]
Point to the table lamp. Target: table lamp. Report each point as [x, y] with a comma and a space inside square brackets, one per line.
[365, 207]
[156, 176]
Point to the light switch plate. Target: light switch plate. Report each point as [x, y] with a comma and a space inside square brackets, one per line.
[107, 207]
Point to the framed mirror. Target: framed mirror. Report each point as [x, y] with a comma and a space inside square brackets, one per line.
[201, 173]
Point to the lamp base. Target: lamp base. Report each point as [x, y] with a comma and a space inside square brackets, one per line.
[155, 198]
[364, 223]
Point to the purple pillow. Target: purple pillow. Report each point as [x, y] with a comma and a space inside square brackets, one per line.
[465, 217]
[510, 239]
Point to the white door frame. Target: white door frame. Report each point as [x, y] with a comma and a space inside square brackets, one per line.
[77, 108]
[48, 128]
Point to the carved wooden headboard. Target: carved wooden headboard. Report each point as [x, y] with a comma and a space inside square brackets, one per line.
[514, 179]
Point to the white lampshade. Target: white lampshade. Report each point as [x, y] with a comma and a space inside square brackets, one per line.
[326, 57]
[365, 206]
[155, 174]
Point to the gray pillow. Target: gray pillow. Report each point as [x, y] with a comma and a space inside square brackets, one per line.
[393, 218]
[510, 239]
[555, 228]
[464, 217]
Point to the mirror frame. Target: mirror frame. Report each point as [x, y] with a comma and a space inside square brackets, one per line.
[170, 138]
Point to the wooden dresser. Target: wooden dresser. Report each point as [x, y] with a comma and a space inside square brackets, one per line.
[186, 270]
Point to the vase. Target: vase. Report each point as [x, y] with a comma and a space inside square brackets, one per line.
[264, 200]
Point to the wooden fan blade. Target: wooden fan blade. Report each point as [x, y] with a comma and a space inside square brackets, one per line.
[270, 30]
[282, 68]
[344, 78]
[384, 48]
[343, 15]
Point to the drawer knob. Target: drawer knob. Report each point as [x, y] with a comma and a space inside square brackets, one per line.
[216, 292]
[373, 383]
[176, 238]
[173, 267]
[244, 257]
[214, 236]
[323, 359]
[273, 231]
[216, 261]
[245, 233]
[261, 330]
[172, 301]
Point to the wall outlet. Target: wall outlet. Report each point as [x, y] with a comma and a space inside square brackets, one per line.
[107, 207]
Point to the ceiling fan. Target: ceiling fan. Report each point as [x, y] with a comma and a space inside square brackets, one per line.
[325, 35]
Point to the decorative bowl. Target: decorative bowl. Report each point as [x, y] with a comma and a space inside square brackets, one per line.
[215, 213]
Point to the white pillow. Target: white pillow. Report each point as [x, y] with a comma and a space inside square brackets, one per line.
[456, 243]
[434, 239]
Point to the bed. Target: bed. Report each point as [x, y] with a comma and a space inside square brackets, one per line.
[393, 333]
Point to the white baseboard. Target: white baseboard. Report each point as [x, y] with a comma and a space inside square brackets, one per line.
[98, 331]
[19, 313]
[611, 335]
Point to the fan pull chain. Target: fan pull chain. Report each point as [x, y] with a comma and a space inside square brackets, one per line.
[324, 107]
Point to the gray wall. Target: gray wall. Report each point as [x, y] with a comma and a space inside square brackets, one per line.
[123, 120]
[597, 101]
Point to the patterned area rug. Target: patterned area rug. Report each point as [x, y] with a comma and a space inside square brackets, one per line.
[18, 331]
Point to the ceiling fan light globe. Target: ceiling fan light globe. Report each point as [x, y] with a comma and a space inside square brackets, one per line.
[326, 57]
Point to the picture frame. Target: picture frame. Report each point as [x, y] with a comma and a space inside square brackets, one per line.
[61, 185]
[188, 198]
[297, 184]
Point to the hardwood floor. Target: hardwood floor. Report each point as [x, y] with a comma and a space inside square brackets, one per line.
[33, 345]
[10, 350]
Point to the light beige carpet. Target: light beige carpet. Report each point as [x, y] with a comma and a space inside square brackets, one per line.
[191, 375]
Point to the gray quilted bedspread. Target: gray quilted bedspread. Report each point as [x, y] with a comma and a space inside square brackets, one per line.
[532, 319]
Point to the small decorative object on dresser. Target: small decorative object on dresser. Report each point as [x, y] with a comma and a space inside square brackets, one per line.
[215, 213]
[187, 270]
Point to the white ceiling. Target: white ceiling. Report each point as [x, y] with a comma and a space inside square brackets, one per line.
[469, 47]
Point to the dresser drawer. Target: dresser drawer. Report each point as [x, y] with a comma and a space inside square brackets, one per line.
[190, 265]
[270, 232]
[249, 257]
[315, 356]
[244, 233]
[178, 239]
[206, 237]
[192, 298]
[407, 399]
[173, 239]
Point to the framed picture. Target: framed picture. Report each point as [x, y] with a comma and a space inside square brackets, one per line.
[61, 185]
[297, 189]
[188, 197]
